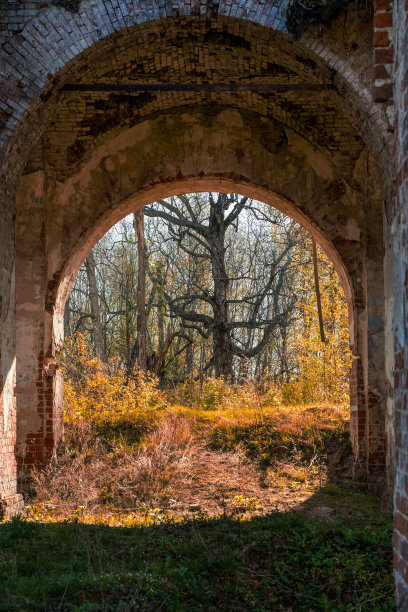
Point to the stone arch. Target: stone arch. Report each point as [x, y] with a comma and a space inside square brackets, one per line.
[58, 41]
[162, 155]
[133, 203]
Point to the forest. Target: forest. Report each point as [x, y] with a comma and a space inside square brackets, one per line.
[206, 284]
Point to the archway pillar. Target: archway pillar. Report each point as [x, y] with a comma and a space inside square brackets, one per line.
[11, 503]
[38, 384]
[368, 389]
[375, 384]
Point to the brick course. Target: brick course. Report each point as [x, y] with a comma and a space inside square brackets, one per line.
[400, 235]
[383, 54]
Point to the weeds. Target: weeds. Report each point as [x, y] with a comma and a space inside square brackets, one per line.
[117, 458]
[273, 562]
[94, 472]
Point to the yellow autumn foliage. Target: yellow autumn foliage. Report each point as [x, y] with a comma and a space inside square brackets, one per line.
[101, 394]
[322, 367]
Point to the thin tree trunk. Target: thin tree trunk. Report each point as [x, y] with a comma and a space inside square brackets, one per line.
[189, 356]
[67, 318]
[138, 222]
[161, 311]
[317, 289]
[90, 266]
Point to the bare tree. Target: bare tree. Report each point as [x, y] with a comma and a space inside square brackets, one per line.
[317, 291]
[138, 221]
[218, 278]
[199, 227]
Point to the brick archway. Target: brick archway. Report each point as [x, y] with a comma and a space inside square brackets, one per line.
[214, 148]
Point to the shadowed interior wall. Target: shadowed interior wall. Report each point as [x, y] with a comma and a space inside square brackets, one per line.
[400, 244]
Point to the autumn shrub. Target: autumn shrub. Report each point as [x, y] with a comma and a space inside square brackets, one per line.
[101, 394]
[210, 394]
[214, 394]
[267, 421]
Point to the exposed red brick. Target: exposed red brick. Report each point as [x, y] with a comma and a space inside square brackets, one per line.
[381, 39]
[382, 5]
[383, 93]
[383, 56]
[383, 20]
[380, 72]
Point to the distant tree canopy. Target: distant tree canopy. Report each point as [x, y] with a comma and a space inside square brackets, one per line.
[228, 291]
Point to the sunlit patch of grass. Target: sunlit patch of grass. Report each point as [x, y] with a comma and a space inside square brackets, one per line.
[291, 472]
[278, 431]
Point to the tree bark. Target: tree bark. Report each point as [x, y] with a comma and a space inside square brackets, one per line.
[67, 318]
[138, 222]
[90, 266]
[317, 289]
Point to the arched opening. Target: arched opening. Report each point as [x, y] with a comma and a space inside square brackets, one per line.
[76, 260]
[228, 150]
[60, 290]
[301, 143]
[250, 389]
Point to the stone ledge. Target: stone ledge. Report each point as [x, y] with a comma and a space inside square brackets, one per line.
[12, 505]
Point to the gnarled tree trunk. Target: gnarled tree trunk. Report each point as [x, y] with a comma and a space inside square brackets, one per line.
[222, 348]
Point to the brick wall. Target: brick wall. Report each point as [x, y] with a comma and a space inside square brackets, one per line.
[383, 54]
[43, 45]
[400, 236]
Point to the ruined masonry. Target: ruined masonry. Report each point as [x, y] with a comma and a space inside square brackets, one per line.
[328, 145]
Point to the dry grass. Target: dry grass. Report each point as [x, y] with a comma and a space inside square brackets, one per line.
[130, 446]
[177, 467]
[96, 473]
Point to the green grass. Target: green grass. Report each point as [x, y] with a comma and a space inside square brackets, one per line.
[281, 561]
[346, 498]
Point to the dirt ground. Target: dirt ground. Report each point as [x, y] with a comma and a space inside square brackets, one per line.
[218, 482]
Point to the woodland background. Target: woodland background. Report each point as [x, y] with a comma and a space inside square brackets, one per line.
[212, 284]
